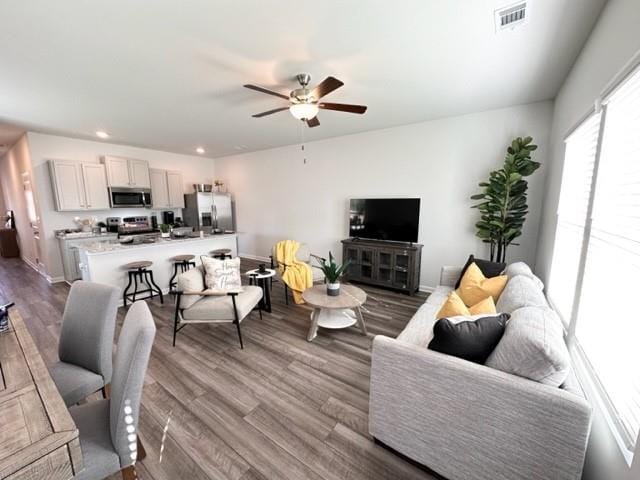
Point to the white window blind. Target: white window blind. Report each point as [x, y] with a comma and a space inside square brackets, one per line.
[577, 175]
[608, 322]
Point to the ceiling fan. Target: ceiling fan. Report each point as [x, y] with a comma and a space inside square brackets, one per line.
[304, 103]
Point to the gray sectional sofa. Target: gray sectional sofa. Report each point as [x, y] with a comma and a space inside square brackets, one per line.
[523, 417]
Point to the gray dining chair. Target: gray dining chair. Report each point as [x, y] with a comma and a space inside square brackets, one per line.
[86, 341]
[109, 428]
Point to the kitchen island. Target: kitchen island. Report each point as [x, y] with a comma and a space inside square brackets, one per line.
[103, 262]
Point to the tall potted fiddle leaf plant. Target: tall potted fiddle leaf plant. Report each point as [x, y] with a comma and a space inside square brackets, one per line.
[503, 199]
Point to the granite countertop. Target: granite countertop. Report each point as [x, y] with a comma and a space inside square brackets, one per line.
[77, 235]
[93, 248]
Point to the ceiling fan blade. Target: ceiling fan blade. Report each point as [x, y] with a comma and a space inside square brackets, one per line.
[313, 122]
[343, 107]
[325, 87]
[269, 112]
[268, 92]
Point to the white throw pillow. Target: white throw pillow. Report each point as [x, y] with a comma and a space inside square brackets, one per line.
[222, 275]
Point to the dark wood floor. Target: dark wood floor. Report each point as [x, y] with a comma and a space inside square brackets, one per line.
[282, 408]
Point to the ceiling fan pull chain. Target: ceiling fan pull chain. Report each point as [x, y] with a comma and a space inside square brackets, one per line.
[302, 129]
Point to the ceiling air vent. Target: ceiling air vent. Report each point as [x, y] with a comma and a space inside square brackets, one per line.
[510, 17]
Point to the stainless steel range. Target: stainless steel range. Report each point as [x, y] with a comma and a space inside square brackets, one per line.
[137, 230]
[135, 225]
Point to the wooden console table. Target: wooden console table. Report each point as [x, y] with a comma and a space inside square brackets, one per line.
[387, 264]
[38, 438]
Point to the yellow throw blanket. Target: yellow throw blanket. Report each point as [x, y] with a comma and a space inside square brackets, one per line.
[297, 275]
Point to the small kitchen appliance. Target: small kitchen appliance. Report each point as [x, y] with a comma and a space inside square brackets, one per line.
[168, 217]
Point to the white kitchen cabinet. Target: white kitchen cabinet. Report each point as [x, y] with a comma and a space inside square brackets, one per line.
[159, 189]
[166, 189]
[66, 179]
[69, 249]
[139, 173]
[127, 172]
[117, 171]
[95, 186]
[175, 185]
[78, 186]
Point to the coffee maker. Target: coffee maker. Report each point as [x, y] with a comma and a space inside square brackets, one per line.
[168, 217]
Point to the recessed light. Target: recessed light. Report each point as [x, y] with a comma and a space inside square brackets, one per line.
[102, 134]
[200, 150]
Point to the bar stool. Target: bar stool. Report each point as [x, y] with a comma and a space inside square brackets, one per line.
[184, 263]
[140, 271]
[221, 253]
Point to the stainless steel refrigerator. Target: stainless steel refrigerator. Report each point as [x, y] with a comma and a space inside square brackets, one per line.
[208, 211]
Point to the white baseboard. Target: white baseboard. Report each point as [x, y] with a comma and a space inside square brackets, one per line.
[43, 273]
[54, 279]
[31, 264]
[426, 288]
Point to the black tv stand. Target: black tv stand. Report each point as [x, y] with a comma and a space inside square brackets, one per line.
[383, 263]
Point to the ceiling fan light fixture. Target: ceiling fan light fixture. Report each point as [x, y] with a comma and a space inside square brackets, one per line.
[304, 111]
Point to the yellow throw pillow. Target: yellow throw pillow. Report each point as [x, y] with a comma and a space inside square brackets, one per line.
[475, 287]
[454, 307]
[483, 306]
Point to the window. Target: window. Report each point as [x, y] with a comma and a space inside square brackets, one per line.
[577, 177]
[595, 274]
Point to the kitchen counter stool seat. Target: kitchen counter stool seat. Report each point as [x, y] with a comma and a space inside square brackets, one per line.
[221, 253]
[140, 272]
[182, 262]
[136, 265]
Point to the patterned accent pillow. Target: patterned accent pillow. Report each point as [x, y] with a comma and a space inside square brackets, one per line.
[222, 275]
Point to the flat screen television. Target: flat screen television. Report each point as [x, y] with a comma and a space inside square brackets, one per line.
[392, 219]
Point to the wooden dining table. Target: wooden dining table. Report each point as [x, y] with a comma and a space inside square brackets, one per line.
[38, 438]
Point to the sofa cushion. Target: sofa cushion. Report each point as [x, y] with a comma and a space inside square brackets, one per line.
[475, 287]
[190, 281]
[439, 295]
[471, 340]
[220, 307]
[419, 330]
[521, 268]
[488, 268]
[520, 292]
[533, 347]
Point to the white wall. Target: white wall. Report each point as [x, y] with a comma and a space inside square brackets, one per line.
[279, 196]
[2, 207]
[614, 41]
[46, 147]
[12, 165]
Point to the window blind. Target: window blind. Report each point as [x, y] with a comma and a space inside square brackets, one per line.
[577, 178]
[608, 323]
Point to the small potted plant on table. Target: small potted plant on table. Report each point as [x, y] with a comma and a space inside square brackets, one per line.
[332, 272]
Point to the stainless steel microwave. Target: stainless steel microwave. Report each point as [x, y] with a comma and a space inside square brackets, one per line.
[121, 197]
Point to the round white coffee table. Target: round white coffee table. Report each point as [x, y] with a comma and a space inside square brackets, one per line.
[341, 311]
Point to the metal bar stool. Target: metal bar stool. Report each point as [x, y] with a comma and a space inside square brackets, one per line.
[221, 253]
[182, 262]
[140, 271]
